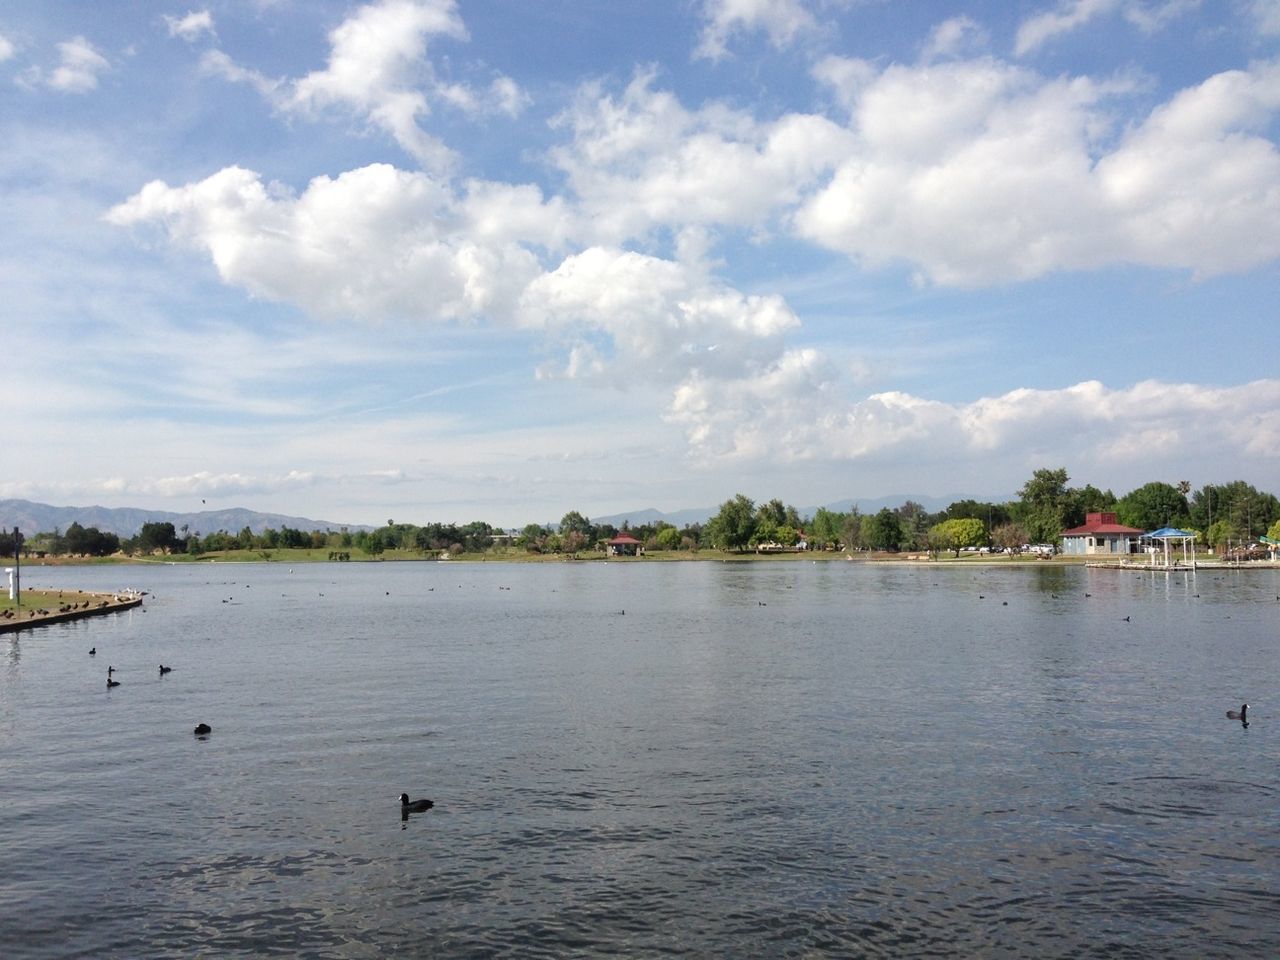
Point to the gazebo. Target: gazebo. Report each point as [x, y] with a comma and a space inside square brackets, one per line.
[625, 545]
[1172, 535]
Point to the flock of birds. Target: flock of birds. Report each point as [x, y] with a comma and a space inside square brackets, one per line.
[202, 730]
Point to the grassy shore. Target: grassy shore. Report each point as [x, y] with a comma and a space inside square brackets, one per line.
[34, 600]
[302, 555]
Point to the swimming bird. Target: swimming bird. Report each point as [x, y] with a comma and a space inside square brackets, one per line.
[164, 669]
[203, 729]
[1241, 714]
[93, 652]
[110, 671]
[414, 806]
[112, 683]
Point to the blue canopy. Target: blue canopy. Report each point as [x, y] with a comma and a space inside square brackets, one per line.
[1169, 533]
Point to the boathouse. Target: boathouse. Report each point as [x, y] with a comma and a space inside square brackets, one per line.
[1100, 534]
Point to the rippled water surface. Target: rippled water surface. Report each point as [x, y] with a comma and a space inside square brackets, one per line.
[686, 759]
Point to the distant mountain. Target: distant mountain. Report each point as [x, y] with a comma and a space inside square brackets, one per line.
[677, 518]
[32, 518]
[681, 518]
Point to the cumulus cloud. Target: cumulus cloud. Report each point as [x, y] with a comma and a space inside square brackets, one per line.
[79, 67]
[642, 161]
[981, 172]
[374, 243]
[798, 401]
[379, 244]
[782, 20]
[661, 318]
[378, 70]
[192, 26]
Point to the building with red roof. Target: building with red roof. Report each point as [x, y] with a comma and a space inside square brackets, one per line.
[1100, 533]
[625, 545]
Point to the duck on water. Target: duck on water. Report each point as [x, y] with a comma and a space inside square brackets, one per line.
[414, 806]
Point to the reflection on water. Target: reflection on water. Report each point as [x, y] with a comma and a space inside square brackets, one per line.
[776, 760]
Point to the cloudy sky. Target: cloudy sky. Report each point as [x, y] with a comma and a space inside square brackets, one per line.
[497, 259]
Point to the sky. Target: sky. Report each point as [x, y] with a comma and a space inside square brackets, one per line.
[428, 260]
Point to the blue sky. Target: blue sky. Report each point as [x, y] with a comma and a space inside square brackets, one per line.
[433, 260]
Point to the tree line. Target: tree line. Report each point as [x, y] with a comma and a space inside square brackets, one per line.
[1047, 504]
[1219, 514]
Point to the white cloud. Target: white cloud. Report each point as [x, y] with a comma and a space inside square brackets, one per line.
[782, 20]
[792, 412]
[1071, 15]
[642, 161]
[218, 64]
[379, 71]
[6, 48]
[79, 67]
[954, 37]
[1196, 185]
[378, 68]
[374, 243]
[979, 172]
[192, 26]
[1266, 16]
[661, 318]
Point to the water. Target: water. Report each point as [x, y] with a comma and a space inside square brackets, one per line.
[765, 760]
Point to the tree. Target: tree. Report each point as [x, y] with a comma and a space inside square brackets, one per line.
[957, 534]
[1044, 504]
[733, 527]
[668, 538]
[532, 537]
[825, 528]
[990, 514]
[851, 528]
[1152, 506]
[574, 522]
[883, 531]
[914, 521]
[1088, 499]
[1250, 510]
[1009, 535]
[1219, 532]
[157, 536]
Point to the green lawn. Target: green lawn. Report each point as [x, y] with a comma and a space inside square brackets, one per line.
[35, 599]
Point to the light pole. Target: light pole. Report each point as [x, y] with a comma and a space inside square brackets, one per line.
[17, 568]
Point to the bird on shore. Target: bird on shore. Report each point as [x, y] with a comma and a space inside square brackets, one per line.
[203, 729]
[414, 806]
[164, 669]
[1241, 714]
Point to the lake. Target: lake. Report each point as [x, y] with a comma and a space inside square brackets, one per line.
[786, 759]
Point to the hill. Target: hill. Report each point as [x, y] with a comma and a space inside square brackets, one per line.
[32, 518]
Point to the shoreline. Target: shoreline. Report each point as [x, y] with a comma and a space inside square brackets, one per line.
[87, 604]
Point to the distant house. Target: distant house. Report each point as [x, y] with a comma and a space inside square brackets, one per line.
[625, 545]
[1102, 534]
